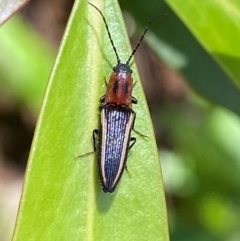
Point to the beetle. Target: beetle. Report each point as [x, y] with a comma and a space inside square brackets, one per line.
[117, 119]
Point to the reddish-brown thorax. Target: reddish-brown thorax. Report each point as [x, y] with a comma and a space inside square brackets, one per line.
[119, 89]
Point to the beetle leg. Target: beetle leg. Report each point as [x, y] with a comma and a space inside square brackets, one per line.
[95, 132]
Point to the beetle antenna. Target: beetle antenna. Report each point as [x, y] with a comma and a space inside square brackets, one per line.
[143, 35]
[109, 35]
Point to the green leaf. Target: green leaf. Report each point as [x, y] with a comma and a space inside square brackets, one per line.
[215, 25]
[199, 69]
[62, 198]
[25, 67]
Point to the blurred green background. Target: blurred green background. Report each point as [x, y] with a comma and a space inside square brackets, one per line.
[189, 64]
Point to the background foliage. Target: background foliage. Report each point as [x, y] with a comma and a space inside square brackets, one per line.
[197, 127]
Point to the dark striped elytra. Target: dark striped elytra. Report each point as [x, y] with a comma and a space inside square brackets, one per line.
[116, 125]
[117, 119]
